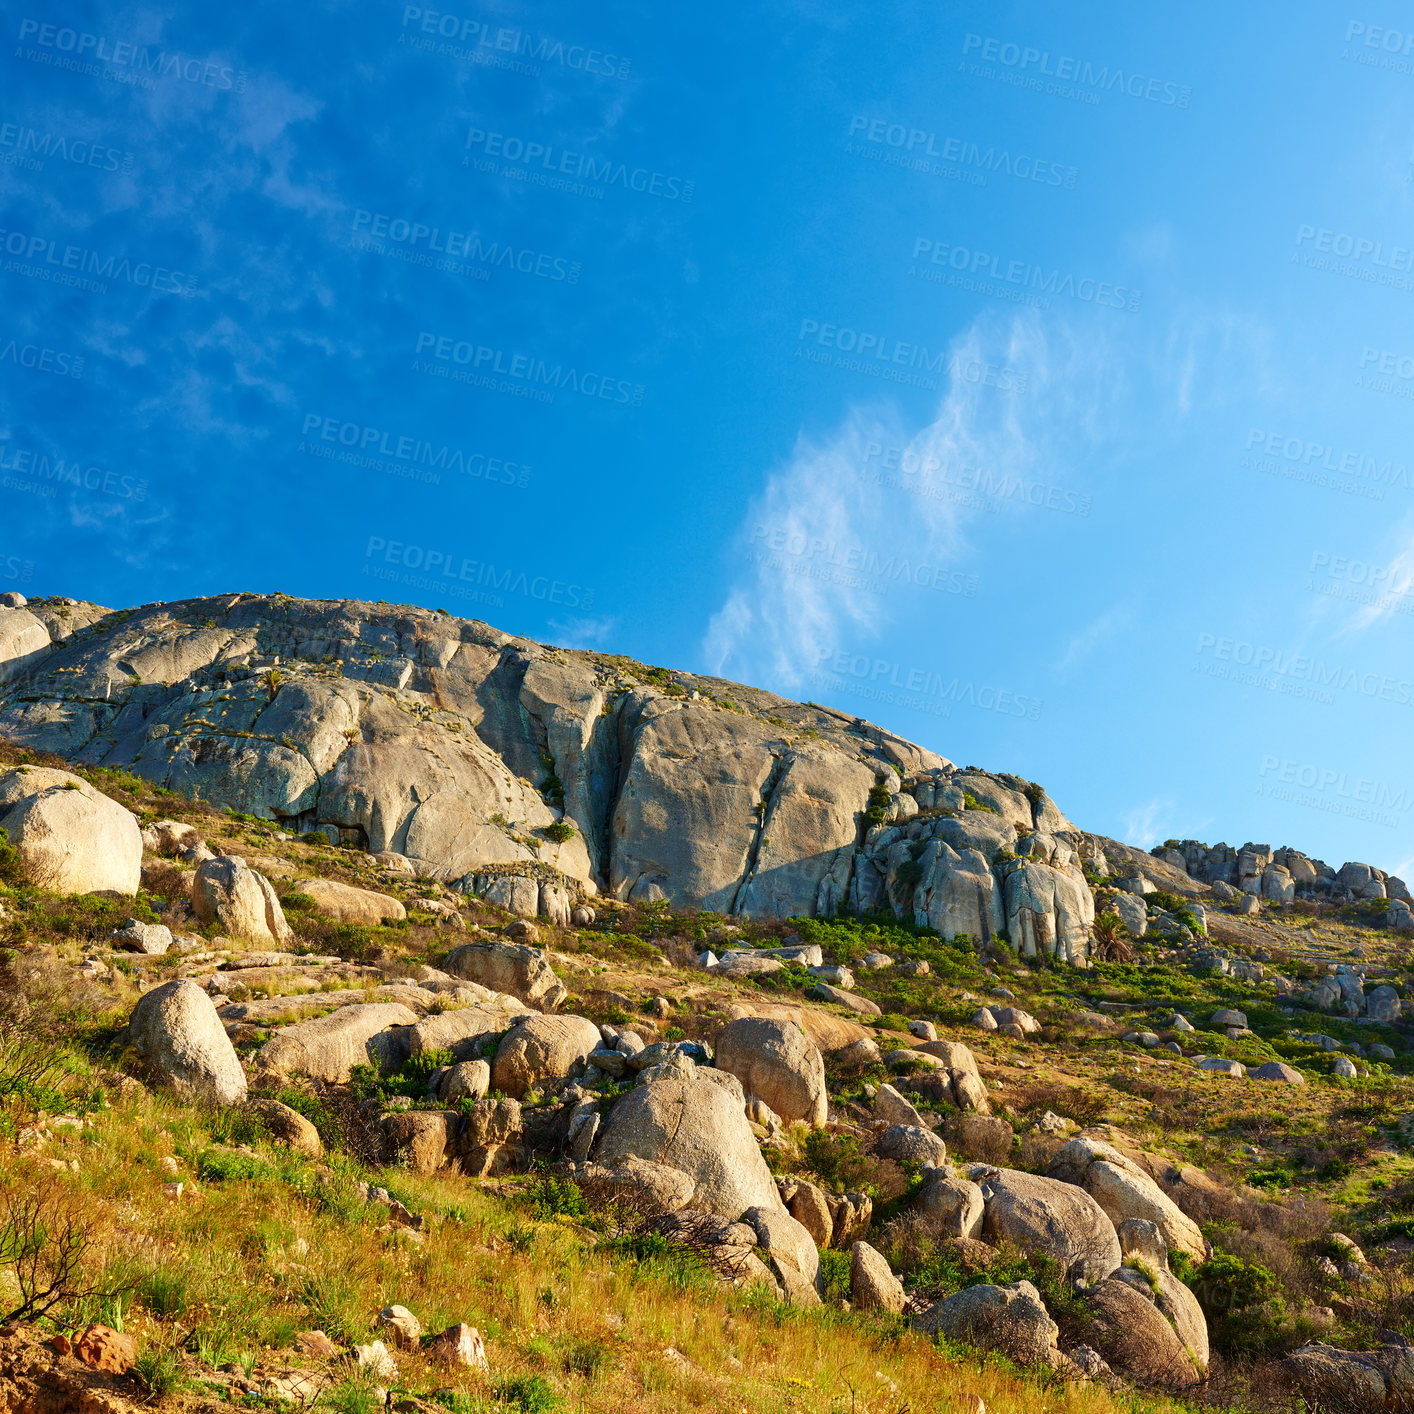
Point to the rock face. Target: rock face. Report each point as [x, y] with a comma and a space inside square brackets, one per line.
[176, 1033]
[522, 971]
[698, 1129]
[448, 744]
[238, 900]
[71, 838]
[775, 1061]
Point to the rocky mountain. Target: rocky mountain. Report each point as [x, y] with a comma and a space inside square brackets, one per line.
[538, 776]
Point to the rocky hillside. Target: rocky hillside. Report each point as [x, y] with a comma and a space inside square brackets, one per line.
[464, 1024]
[539, 776]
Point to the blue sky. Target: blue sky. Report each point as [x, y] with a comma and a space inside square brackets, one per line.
[1038, 386]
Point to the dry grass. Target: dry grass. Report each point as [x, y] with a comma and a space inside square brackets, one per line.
[240, 1267]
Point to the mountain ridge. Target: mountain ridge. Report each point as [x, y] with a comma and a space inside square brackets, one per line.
[479, 754]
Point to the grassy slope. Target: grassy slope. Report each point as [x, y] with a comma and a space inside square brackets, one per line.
[592, 1323]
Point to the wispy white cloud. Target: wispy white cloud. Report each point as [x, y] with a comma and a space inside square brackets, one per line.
[1144, 825]
[1099, 632]
[780, 615]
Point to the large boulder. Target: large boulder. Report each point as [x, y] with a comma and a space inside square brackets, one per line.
[460, 1032]
[689, 1124]
[1012, 1319]
[1133, 1330]
[540, 1049]
[908, 1143]
[288, 1126]
[1124, 1190]
[872, 1285]
[71, 838]
[420, 1138]
[1354, 1382]
[1045, 1215]
[776, 1062]
[788, 1250]
[952, 1206]
[238, 900]
[346, 904]
[179, 1038]
[328, 1048]
[516, 968]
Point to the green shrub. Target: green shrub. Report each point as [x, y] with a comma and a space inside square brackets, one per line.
[877, 807]
[231, 1166]
[528, 1393]
[834, 1273]
[559, 832]
[1241, 1301]
[555, 1197]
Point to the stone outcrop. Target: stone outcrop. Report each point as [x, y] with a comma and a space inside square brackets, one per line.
[522, 971]
[776, 1061]
[452, 748]
[1044, 1214]
[179, 1038]
[328, 1048]
[238, 900]
[71, 838]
